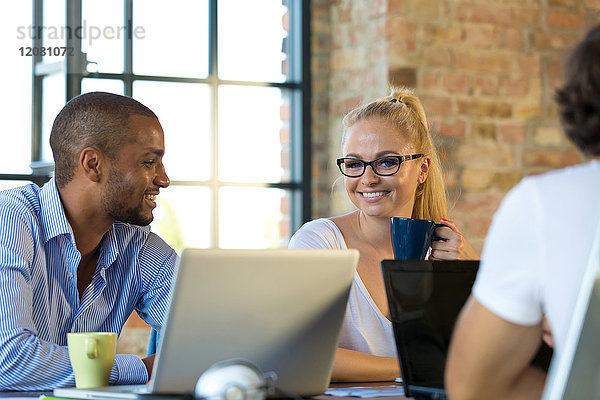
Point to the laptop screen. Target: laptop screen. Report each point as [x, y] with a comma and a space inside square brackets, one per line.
[575, 372]
[425, 298]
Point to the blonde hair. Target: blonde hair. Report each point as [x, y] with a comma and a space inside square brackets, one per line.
[404, 111]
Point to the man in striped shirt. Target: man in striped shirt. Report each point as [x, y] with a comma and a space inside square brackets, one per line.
[77, 255]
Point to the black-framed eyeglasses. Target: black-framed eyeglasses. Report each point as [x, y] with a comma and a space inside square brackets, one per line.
[382, 166]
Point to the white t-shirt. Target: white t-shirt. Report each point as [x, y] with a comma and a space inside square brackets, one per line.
[538, 247]
[365, 328]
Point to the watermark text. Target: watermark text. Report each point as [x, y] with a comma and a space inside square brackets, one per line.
[83, 32]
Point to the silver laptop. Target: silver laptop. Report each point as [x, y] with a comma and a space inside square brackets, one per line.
[575, 374]
[279, 309]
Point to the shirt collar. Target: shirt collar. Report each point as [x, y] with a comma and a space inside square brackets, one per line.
[55, 223]
[52, 214]
[109, 249]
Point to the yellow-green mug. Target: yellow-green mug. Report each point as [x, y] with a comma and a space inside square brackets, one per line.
[92, 356]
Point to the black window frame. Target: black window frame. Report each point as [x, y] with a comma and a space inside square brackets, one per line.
[300, 86]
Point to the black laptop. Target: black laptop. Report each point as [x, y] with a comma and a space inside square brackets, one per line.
[425, 298]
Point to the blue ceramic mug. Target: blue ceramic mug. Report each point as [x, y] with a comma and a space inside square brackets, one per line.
[411, 238]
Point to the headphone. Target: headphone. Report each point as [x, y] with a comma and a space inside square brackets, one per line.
[234, 379]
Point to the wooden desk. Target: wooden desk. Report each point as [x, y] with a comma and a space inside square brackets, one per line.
[321, 397]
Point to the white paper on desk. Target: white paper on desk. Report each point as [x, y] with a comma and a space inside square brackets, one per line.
[363, 391]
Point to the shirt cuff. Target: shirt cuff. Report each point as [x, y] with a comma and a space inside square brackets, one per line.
[128, 370]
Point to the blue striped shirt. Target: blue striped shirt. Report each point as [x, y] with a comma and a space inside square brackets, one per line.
[39, 301]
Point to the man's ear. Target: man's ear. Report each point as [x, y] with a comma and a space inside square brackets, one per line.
[91, 162]
[424, 169]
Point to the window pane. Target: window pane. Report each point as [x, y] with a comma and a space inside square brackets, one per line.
[102, 85]
[174, 40]
[251, 37]
[105, 31]
[183, 110]
[183, 216]
[53, 32]
[53, 100]
[15, 81]
[250, 131]
[253, 218]
[13, 184]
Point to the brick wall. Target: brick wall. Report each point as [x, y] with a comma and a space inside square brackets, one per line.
[321, 39]
[486, 71]
[134, 337]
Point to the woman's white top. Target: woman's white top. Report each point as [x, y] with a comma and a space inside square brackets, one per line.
[365, 328]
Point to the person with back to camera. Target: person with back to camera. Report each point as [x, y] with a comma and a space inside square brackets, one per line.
[77, 255]
[391, 169]
[534, 256]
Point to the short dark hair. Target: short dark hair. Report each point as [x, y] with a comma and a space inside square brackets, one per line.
[579, 98]
[97, 119]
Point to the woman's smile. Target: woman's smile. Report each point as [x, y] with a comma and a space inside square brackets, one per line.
[374, 196]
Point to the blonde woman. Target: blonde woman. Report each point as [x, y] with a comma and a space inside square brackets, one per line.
[390, 168]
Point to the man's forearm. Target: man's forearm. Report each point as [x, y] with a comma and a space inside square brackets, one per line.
[28, 363]
[529, 385]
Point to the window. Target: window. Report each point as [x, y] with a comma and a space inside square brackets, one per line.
[229, 81]
[15, 80]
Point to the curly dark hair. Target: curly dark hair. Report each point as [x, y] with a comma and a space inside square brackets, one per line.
[97, 119]
[579, 98]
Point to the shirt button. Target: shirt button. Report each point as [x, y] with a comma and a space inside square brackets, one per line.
[70, 274]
